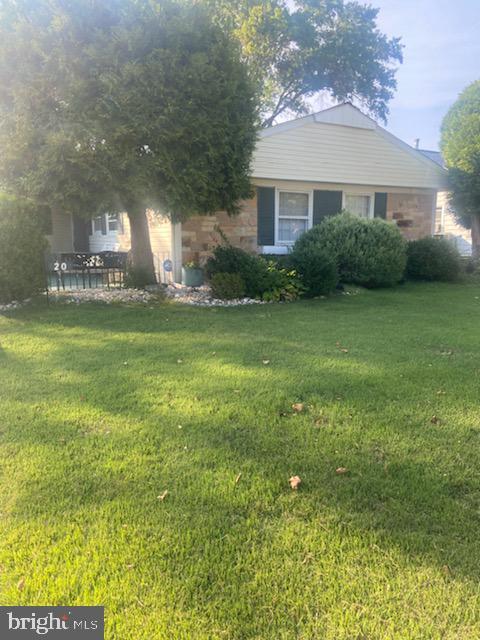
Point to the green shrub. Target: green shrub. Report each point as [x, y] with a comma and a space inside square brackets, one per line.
[22, 250]
[262, 279]
[317, 269]
[370, 253]
[433, 259]
[252, 268]
[282, 284]
[227, 286]
[280, 260]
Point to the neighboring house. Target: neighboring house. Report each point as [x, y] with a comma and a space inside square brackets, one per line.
[446, 224]
[302, 171]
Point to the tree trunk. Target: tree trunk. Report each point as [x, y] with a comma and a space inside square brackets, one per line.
[141, 257]
[476, 237]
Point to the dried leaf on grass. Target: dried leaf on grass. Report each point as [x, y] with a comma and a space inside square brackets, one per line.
[294, 482]
[341, 471]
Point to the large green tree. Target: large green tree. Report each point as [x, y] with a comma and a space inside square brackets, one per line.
[460, 146]
[123, 105]
[297, 49]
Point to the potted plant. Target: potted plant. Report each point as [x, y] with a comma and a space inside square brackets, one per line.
[192, 274]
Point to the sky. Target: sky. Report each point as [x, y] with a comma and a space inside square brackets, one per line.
[441, 57]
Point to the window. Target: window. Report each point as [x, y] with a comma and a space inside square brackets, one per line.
[113, 222]
[358, 205]
[97, 223]
[293, 215]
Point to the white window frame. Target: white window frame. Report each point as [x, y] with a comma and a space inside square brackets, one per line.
[283, 243]
[109, 232]
[96, 231]
[371, 194]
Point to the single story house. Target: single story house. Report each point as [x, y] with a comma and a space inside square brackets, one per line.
[302, 171]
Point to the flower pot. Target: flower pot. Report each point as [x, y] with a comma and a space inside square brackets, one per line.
[192, 276]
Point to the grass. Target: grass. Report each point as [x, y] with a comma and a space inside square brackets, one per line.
[103, 409]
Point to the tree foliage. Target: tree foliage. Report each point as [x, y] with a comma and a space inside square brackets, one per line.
[298, 48]
[124, 105]
[22, 246]
[461, 150]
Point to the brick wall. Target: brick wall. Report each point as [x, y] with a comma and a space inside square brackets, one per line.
[199, 235]
[412, 212]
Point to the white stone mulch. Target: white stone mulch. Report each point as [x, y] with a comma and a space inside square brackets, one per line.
[11, 306]
[202, 297]
[107, 296]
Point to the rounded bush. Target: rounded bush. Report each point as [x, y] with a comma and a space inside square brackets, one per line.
[370, 253]
[433, 259]
[227, 286]
[316, 268]
[22, 250]
[252, 268]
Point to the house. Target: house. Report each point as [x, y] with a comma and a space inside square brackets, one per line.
[446, 224]
[302, 171]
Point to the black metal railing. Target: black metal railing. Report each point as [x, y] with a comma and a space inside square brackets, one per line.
[72, 271]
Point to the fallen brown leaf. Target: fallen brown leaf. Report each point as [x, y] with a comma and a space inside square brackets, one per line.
[294, 482]
[21, 584]
[435, 420]
[298, 407]
[341, 471]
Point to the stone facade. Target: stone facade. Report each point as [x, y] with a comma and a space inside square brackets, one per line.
[413, 213]
[199, 234]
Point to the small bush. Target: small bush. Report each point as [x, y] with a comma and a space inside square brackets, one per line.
[227, 286]
[370, 253]
[22, 250]
[262, 279]
[282, 284]
[317, 269]
[252, 268]
[433, 259]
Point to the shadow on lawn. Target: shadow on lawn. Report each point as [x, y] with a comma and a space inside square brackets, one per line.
[392, 492]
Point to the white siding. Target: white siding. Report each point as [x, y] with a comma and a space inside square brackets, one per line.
[448, 226]
[160, 235]
[108, 242]
[322, 152]
[61, 238]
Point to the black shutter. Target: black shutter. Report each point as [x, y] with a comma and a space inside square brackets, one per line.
[326, 203]
[104, 224]
[266, 216]
[380, 207]
[80, 234]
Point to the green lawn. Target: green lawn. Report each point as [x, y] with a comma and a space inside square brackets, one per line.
[105, 408]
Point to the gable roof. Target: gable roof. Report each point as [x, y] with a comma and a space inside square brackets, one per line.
[341, 144]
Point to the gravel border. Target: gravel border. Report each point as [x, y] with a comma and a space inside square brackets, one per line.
[202, 297]
[193, 296]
